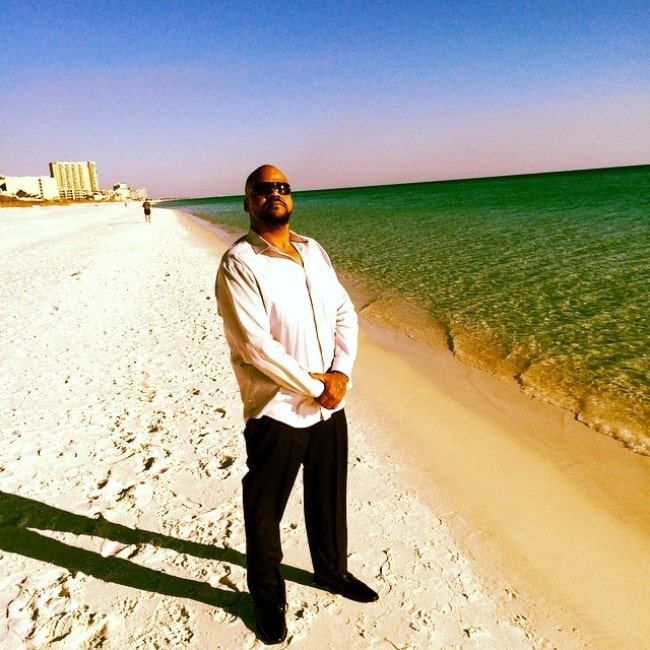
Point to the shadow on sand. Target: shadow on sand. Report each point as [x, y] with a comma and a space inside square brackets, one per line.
[19, 516]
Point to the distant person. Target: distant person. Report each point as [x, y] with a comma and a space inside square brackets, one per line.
[292, 332]
[147, 211]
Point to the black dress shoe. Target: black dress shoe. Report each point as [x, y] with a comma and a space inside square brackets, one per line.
[271, 626]
[349, 587]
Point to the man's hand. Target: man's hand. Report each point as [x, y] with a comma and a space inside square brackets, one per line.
[336, 384]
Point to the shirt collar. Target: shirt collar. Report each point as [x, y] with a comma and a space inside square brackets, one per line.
[260, 245]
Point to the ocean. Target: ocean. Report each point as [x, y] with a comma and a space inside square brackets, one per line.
[541, 279]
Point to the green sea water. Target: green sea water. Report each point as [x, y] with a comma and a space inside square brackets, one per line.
[540, 279]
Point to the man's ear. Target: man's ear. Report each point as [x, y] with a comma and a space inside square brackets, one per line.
[246, 205]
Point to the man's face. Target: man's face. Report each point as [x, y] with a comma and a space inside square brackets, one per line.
[264, 203]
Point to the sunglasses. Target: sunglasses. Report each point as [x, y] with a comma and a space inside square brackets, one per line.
[266, 187]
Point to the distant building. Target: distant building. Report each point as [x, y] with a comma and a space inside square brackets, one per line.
[140, 194]
[41, 187]
[75, 180]
[121, 191]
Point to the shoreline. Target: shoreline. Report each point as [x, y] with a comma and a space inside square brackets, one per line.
[534, 496]
[484, 518]
[587, 393]
[545, 501]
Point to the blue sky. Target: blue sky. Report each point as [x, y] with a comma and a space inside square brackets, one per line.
[185, 98]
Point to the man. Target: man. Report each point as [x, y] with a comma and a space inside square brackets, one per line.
[292, 332]
[147, 211]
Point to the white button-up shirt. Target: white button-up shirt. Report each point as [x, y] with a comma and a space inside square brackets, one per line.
[283, 320]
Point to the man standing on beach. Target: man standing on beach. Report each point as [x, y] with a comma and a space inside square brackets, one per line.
[292, 332]
[147, 211]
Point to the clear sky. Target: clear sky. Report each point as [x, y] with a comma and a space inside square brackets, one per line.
[185, 98]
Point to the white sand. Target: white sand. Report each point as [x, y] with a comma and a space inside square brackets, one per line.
[122, 457]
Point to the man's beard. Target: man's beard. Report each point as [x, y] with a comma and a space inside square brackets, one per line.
[271, 219]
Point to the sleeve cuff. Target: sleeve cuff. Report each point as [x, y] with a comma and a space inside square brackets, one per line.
[316, 388]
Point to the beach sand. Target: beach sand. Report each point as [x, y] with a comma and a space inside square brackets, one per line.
[483, 518]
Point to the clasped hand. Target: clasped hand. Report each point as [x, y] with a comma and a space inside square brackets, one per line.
[336, 385]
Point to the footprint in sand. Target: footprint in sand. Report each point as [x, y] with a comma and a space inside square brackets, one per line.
[47, 611]
[170, 627]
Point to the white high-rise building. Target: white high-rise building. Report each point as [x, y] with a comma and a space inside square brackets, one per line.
[76, 180]
[42, 187]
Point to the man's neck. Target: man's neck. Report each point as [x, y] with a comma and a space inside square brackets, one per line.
[280, 238]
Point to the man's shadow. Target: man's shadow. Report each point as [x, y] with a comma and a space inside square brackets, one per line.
[18, 515]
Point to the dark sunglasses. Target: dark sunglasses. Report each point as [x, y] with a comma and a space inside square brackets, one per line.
[266, 187]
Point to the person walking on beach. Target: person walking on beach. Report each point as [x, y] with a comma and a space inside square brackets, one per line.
[147, 211]
[292, 332]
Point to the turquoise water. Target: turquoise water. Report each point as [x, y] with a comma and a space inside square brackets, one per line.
[541, 279]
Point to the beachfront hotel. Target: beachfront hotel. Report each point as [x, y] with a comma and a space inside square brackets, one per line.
[76, 180]
[42, 187]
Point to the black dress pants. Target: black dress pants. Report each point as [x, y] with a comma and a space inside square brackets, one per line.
[275, 453]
